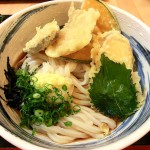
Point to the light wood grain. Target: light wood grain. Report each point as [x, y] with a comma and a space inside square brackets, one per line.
[11, 8]
[139, 8]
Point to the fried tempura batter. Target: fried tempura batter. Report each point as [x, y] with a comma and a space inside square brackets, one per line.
[76, 34]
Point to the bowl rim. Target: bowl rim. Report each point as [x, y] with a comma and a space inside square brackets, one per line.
[121, 143]
[128, 140]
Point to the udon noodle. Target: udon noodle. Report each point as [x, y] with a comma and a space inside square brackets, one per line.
[88, 123]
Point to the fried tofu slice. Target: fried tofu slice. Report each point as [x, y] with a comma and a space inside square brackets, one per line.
[43, 38]
[76, 34]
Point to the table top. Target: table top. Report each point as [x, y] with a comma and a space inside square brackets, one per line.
[139, 8]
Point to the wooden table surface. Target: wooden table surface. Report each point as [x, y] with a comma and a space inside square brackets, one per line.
[139, 8]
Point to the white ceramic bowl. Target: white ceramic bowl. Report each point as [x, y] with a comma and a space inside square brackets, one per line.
[18, 29]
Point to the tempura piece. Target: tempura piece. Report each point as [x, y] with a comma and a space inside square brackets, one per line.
[43, 38]
[117, 48]
[81, 23]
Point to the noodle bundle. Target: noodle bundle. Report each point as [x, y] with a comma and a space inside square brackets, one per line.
[88, 123]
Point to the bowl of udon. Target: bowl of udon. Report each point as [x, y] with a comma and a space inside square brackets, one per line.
[74, 75]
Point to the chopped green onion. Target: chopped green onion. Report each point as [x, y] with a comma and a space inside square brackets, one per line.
[49, 123]
[39, 121]
[56, 90]
[36, 95]
[76, 108]
[68, 123]
[38, 113]
[61, 97]
[54, 98]
[64, 87]
[33, 131]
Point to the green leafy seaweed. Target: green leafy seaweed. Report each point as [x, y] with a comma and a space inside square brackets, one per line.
[3, 17]
[11, 91]
[112, 90]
